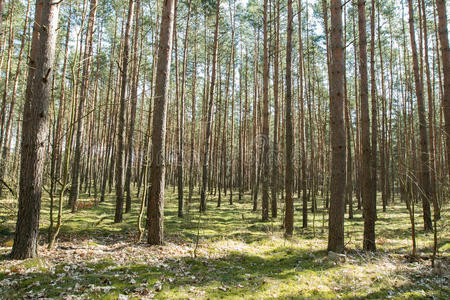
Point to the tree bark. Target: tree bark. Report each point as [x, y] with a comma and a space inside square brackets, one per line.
[181, 123]
[209, 114]
[302, 171]
[424, 171]
[374, 108]
[275, 165]
[445, 57]
[121, 120]
[133, 102]
[365, 164]
[289, 178]
[264, 139]
[34, 132]
[338, 171]
[155, 208]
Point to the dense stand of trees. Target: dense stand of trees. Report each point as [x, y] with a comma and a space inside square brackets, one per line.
[263, 98]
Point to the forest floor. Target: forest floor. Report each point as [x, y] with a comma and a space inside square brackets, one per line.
[238, 256]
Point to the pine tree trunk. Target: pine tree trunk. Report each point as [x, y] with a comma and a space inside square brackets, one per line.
[301, 129]
[35, 130]
[155, 208]
[133, 102]
[181, 123]
[374, 108]
[430, 95]
[194, 103]
[338, 171]
[289, 177]
[369, 208]
[206, 154]
[275, 165]
[255, 128]
[264, 138]
[445, 57]
[121, 119]
[424, 172]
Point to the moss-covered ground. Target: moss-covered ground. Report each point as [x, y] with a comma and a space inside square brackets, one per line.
[226, 253]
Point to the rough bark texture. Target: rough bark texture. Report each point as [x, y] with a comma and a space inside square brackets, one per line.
[424, 171]
[302, 171]
[289, 178]
[264, 139]
[338, 171]
[365, 165]
[275, 165]
[34, 133]
[374, 121]
[155, 208]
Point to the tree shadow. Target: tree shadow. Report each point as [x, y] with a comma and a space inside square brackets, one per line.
[251, 272]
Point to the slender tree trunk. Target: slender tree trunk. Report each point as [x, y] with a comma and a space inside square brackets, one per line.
[265, 126]
[430, 95]
[209, 113]
[233, 72]
[255, 128]
[194, 103]
[121, 120]
[74, 190]
[289, 178]
[445, 57]
[424, 171]
[374, 108]
[383, 142]
[181, 123]
[275, 165]
[133, 102]
[301, 129]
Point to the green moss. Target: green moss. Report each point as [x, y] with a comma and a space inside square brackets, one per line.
[239, 257]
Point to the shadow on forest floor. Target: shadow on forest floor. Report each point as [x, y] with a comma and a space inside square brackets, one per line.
[237, 256]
